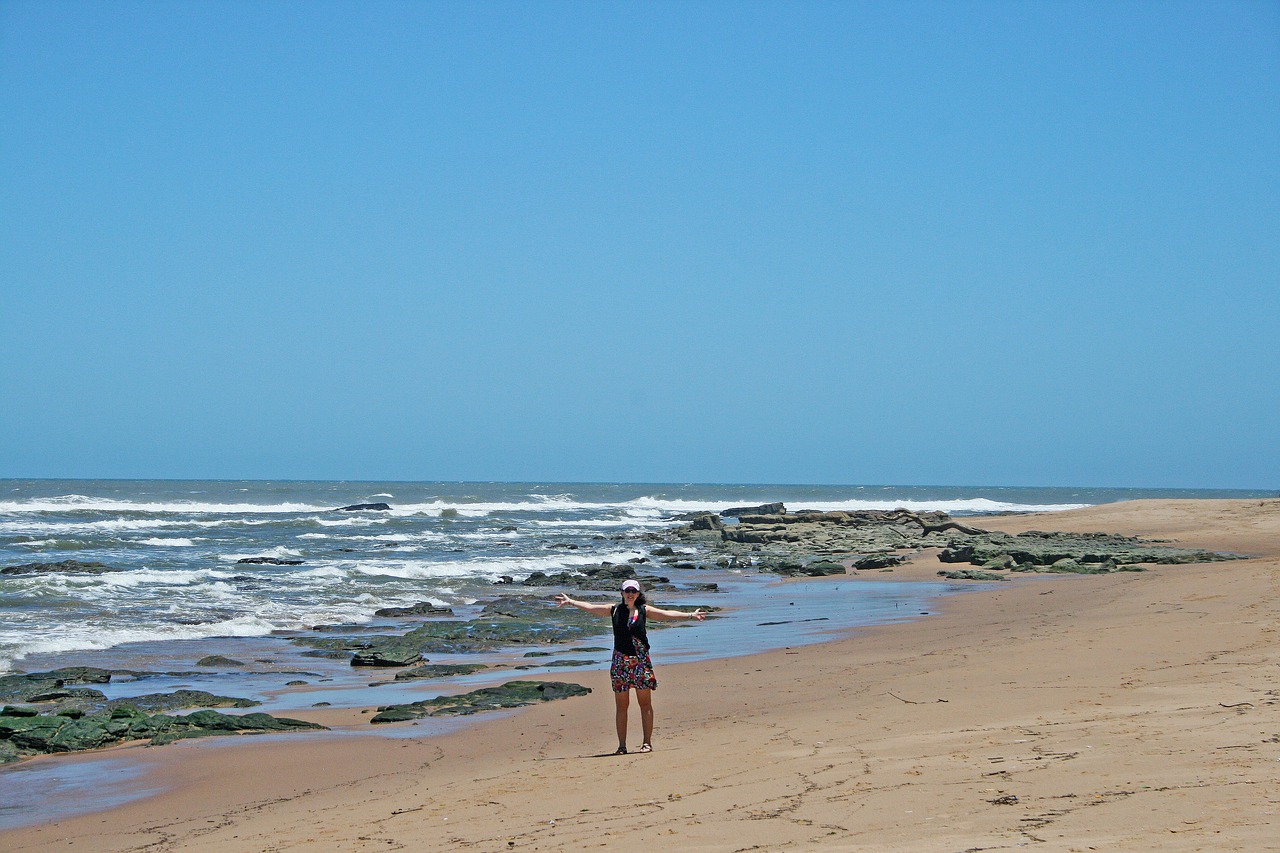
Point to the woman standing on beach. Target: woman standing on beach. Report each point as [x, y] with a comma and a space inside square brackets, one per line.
[631, 666]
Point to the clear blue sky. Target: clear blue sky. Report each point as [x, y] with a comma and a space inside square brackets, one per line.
[919, 243]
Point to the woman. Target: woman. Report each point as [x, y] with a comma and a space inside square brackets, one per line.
[631, 666]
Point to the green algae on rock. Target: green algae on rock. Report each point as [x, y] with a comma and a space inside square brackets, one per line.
[513, 694]
[25, 732]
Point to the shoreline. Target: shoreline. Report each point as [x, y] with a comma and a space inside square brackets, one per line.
[1115, 709]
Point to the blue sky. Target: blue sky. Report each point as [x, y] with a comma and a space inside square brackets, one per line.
[919, 243]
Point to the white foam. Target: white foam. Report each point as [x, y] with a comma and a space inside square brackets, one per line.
[150, 578]
[86, 503]
[168, 542]
[648, 505]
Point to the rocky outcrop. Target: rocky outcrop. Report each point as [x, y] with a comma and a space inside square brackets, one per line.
[24, 731]
[971, 575]
[759, 509]
[363, 507]
[879, 561]
[57, 692]
[1037, 550]
[439, 670]
[67, 567]
[421, 608]
[506, 621]
[786, 543]
[218, 660]
[513, 694]
[269, 561]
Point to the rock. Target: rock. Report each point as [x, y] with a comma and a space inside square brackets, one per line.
[23, 734]
[390, 654]
[762, 509]
[422, 608]
[362, 507]
[178, 700]
[513, 694]
[70, 567]
[971, 575]
[52, 686]
[663, 551]
[218, 660]
[269, 561]
[439, 670]
[879, 561]
[817, 568]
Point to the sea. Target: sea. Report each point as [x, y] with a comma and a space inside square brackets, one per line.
[177, 547]
[179, 591]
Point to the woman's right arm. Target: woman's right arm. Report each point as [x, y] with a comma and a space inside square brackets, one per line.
[589, 606]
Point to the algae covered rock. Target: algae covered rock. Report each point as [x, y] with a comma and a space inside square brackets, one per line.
[971, 575]
[439, 670]
[23, 733]
[70, 567]
[218, 660]
[513, 694]
[879, 561]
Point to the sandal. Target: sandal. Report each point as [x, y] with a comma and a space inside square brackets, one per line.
[622, 750]
[644, 747]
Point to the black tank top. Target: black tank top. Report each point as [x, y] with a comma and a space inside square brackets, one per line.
[624, 632]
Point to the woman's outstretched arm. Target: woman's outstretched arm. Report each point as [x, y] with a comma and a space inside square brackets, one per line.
[590, 606]
[671, 615]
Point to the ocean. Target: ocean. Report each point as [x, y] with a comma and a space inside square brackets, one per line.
[177, 547]
[178, 591]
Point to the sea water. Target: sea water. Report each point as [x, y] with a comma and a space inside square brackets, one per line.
[176, 548]
[178, 592]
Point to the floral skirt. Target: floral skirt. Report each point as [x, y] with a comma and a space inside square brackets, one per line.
[628, 671]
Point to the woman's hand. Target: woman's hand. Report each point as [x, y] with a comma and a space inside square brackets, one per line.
[698, 614]
[562, 600]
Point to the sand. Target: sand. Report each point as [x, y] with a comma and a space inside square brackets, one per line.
[1122, 712]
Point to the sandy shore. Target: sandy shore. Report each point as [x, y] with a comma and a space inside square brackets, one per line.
[1120, 712]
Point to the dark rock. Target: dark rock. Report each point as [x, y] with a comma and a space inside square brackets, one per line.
[388, 654]
[762, 509]
[706, 521]
[70, 567]
[178, 700]
[439, 670]
[879, 561]
[513, 694]
[663, 551]
[971, 575]
[269, 561]
[361, 507]
[507, 621]
[52, 686]
[218, 660]
[422, 608]
[23, 734]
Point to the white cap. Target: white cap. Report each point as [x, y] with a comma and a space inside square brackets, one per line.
[632, 584]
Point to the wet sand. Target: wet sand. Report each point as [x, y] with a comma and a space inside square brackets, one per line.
[1122, 712]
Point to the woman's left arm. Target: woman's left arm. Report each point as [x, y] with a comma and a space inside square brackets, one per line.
[672, 615]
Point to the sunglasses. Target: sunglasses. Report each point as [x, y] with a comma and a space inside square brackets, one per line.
[631, 592]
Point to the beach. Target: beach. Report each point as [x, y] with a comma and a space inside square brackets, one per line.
[1126, 711]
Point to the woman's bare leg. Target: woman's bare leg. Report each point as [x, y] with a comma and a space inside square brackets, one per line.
[645, 699]
[620, 701]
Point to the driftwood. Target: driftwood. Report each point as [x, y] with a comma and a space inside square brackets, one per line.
[904, 515]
